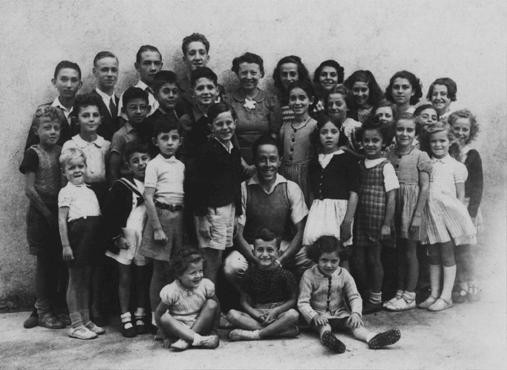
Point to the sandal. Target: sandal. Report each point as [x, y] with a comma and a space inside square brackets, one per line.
[440, 305]
[81, 332]
[141, 327]
[90, 325]
[401, 305]
[128, 330]
[428, 302]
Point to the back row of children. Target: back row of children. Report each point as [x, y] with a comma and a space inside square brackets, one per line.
[347, 198]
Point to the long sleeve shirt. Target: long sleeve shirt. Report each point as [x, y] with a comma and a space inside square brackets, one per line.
[327, 295]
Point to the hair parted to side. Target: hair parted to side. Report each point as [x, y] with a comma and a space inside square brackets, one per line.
[66, 64]
[247, 58]
[452, 88]
[375, 92]
[134, 93]
[218, 108]
[70, 154]
[414, 82]
[325, 244]
[203, 72]
[103, 54]
[85, 100]
[465, 113]
[422, 107]
[183, 258]
[145, 48]
[302, 70]
[193, 38]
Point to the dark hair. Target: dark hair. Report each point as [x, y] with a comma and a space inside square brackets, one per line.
[375, 92]
[329, 63]
[135, 147]
[265, 139]
[203, 72]
[134, 93]
[85, 100]
[266, 235]
[247, 58]
[452, 88]
[194, 37]
[465, 113]
[302, 71]
[164, 77]
[144, 48]
[325, 244]
[414, 82]
[163, 125]
[384, 129]
[183, 258]
[405, 116]
[422, 107]
[103, 54]
[217, 108]
[322, 119]
[306, 86]
[338, 89]
[66, 64]
[383, 103]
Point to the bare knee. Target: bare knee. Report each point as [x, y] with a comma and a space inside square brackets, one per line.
[233, 316]
[292, 316]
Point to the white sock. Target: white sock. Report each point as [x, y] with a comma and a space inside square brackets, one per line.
[153, 318]
[126, 317]
[369, 336]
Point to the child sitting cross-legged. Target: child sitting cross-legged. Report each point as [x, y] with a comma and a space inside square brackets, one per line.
[324, 289]
[268, 296]
[188, 306]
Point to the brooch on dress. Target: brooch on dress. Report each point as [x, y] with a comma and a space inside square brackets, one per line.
[249, 104]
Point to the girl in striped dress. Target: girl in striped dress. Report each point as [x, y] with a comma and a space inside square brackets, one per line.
[445, 216]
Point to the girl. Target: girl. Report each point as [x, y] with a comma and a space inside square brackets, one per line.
[441, 94]
[295, 136]
[404, 91]
[78, 221]
[188, 306]
[337, 108]
[375, 210]
[288, 70]
[334, 183]
[326, 293]
[364, 92]
[412, 168]
[384, 112]
[426, 115]
[126, 217]
[465, 127]
[447, 219]
[327, 76]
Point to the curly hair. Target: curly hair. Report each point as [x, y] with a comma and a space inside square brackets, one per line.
[325, 244]
[385, 130]
[302, 71]
[183, 258]
[433, 129]
[248, 58]
[69, 154]
[329, 63]
[192, 38]
[414, 82]
[474, 125]
[452, 88]
[375, 94]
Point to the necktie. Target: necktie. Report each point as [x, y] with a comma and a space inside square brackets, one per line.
[112, 107]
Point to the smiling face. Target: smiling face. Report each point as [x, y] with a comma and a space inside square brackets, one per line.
[192, 276]
[440, 98]
[372, 142]
[439, 144]
[196, 55]
[249, 75]
[328, 263]
[405, 132]
[88, 119]
[384, 115]
[106, 73]
[168, 142]
[149, 65]
[267, 162]
[428, 116]
[402, 91]
[137, 164]
[266, 252]
[336, 107]
[74, 170]
[328, 78]
[223, 127]
[299, 101]
[288, 74]
[361, 93]
[48, 132]
[167, 95]
[205, 91]
[67, 82]
[329, 136]
[461, 129]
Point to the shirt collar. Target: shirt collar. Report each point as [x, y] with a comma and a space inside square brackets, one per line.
[56, 103]
[444, 160]
[171, 159]
[142, 85]
[129, 127]
[81, 143]
[254, 180]
[240, 96]
[103, 95]
[227, 147]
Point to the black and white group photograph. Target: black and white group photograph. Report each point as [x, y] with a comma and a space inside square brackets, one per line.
[253, 184]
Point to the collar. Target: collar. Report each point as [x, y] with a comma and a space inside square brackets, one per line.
[104, 96]
[142, 85]
[227, 147]
[171, 159]
[129, 127]
[446, 159]
[82, 143]
[336, 152]
[56, 103]
[317, 271]
[254, 180]
[240, 96]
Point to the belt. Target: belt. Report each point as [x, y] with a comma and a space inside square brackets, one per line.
[170, 207]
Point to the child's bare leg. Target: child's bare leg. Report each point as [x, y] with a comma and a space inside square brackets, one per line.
[140, 275]
[328, 339]
[173, 327]
[206, 318]
[213, 259]
[124, 277]
[282, 326]
[243, 320]
[376, 340]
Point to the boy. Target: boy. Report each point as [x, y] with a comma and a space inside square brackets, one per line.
[268, 296]
[43, 181]
[135, 107]
[105, 70]
[148, 63]
[67, 81]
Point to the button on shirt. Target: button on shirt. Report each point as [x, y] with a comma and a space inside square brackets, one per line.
[166, 175]
[81, 201]
[95, 152]
[152, 102]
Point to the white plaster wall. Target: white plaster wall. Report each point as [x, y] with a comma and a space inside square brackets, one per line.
[461, 39]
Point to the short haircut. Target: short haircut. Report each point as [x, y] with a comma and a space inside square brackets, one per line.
[134, 93]
[144, 48]
[247, 58]
[85, 100]
[49, 113]
[192, 38]
[266, 235]
[435, 128]
[465, 113]
[103, 54]
[338, 89]
[384, 103]
[385, 130]
[325, 244]
[375, 92]
[163, 125]
[405, 116]
[203, 72]
[329, 63]
[164, 77]
[302, 71]
[69, 154]
[306, 86]
[422, 107]
[217, 108]
[265, 139]
[66, 64]
[135, 147]
[452, 88]
[413, 81]
[183, 258]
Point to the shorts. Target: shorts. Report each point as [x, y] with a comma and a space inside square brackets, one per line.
[221, 221]
[83, 238]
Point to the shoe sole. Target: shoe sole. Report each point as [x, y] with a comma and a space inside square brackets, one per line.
[382, 340]
[333, 343]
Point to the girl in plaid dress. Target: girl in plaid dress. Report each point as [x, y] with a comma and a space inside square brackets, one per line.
[375, 211]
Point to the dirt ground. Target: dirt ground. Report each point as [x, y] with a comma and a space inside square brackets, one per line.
[467, 336]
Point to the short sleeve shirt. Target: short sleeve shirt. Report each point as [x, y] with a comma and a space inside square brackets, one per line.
[80, 199]
[447, 172]
[124, 135]
[96, 153]
[186, 302]
[166, 175]
[390, 178]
